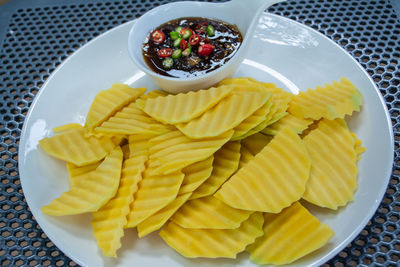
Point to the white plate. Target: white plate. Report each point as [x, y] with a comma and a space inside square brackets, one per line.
[285, 52]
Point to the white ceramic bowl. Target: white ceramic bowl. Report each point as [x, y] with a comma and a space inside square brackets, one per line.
[243, 14]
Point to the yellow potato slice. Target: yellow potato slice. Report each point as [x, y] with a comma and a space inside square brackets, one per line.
[196, 174]
[296, 124]
[275, 178]
[154, 193]
[330, 101]
[139, 144]
[116, 139]
[333, 176]
[90, 194]
[108, 102]
[213, 243]
[157, 220]
[256, 142]
[358, 146]
[288, 236]
[272, 115]
[226, 115]
[109, 221]
[132, 120]
[209, 213]
[153, 94]
[252, 121]
[66, 127]
[276, 117]
[245, 156]
[174, 151]
[242, 85]
[254, 130]
[280, 97]
[74, 147]
[173, 109]
[226, 162]
[77, 173]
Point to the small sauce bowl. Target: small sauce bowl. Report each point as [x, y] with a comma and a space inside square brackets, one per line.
[243, 14]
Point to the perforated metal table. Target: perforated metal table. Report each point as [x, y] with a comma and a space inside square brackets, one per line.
[36, 36]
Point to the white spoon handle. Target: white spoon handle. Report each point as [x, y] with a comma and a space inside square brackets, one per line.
[248, 12]
[255, 6]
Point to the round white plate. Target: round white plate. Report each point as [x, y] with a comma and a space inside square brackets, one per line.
[287, 53]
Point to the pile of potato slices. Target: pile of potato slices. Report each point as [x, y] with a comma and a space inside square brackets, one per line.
[219, 171]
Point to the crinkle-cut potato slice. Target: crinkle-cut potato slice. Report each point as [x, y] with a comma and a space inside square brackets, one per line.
[254, 130]
[109, 221]
[90, 194]
[252, 121]
[117, 139]
[282, 99]
[154, 193]
[279, 96]
[66, 127]
[174, 151]
[240, 87]
[298, 125]
[180, 108]
[226, 162]
[153, 94]
[196, 174]
[333, 176]
[76, 173]
[255, 143]
[288, 236]
[358, 146]
[132, 120]
[157, 220]
[226, 115]
[108, 102]
[330, 101]
[74, 147]
[245, 156]
[275, 178]
[139, 144]
[141, 137]
[272, 115]
[213, 243]
[209, 213]
[276, 117]
[243, 84]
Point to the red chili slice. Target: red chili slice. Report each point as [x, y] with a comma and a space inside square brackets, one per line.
[183, 45]
[204, 24]
[157, 36]
[205, 49]
[164, 52]
[194, 39]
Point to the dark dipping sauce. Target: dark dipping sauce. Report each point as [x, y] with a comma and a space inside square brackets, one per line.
[226, 39]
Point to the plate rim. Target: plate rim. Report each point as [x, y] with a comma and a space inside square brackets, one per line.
[324, 259]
